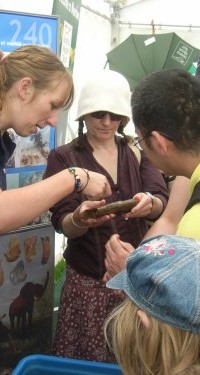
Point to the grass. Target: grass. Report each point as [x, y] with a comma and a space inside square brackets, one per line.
[59, 270]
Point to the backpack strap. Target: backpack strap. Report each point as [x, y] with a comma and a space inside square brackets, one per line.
[195, 197]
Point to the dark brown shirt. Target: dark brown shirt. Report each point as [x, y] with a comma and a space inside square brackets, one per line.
[86, 253]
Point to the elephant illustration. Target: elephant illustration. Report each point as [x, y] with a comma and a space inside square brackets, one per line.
[22, 306]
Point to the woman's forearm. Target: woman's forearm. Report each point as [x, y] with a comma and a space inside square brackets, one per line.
[20, 206]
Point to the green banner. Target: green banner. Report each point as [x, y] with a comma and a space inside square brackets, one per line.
[68, 12]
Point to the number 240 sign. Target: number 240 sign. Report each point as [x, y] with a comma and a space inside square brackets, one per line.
[17, 29]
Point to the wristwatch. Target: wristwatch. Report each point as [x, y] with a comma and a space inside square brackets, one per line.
[150, 196]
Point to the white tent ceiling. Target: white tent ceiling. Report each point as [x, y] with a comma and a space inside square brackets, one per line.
[122, 3]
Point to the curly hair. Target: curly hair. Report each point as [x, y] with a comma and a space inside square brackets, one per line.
[169, 102]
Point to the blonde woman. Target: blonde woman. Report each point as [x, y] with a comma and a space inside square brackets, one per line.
[34, 87]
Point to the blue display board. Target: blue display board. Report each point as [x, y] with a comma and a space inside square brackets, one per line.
[17, 29]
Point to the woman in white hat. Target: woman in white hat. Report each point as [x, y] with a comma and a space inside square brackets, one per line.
[104, 109]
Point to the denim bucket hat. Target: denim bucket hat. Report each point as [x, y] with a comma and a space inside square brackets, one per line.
[162, 277]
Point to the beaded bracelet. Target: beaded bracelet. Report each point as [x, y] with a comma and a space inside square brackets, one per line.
[77, 186]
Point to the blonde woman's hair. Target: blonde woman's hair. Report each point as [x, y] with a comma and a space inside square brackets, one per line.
[37, 62]
[158, 350]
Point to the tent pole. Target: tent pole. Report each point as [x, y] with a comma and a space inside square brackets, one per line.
[190, 27]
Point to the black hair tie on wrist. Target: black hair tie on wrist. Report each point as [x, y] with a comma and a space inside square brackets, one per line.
[88, 178]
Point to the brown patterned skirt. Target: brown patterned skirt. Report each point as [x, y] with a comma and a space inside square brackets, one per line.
[84, 305]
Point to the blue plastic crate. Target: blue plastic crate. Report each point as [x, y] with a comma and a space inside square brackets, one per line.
[49, 365]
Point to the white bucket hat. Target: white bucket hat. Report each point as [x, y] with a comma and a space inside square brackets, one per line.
[105, 91]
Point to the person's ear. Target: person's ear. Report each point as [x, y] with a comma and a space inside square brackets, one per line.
[160, 144]
[25, 88]
[144, 318]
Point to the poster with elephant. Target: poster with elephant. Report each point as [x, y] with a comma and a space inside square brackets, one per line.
[26, 292]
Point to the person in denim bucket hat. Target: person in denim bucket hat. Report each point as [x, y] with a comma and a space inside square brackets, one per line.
[156, 330]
